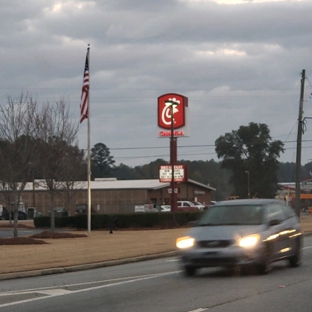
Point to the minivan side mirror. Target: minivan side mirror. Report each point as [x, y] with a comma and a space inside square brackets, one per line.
[274, 222]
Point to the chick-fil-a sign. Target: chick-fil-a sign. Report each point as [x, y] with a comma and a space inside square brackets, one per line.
[171, 107]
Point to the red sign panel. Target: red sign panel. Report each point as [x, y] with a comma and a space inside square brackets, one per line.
[165, 109]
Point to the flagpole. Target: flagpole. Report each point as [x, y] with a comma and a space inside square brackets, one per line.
[85, 114]
[89, 153]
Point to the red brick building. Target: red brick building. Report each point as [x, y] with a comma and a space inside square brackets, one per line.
[112, 195]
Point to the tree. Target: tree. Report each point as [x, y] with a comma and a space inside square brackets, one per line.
[102, 162]
[17, 149]
[150, 171]
[74, 171]
[250, 152]
[124, 172]
[211, 173]
[287, 172]
[56, 133]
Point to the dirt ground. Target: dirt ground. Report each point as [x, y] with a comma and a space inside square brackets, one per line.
[87, 248]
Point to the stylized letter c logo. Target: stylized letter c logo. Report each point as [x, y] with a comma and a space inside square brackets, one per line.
[166, 115]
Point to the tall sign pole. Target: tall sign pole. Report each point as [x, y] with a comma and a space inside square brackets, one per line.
[172, 113]
[173, 103]
[172, 160]
[299, 139]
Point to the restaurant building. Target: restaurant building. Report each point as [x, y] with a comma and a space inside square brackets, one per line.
[111, 195]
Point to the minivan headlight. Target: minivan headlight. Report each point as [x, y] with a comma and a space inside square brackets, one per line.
[185, 242]
[249, 241]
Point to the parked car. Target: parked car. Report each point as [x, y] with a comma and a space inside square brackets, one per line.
[199, 205]
[21, 215]
[165, 208]
[5, 214]
[59, 212]
[250, 232]
[83, 209]
[185, 205]
[1, 212]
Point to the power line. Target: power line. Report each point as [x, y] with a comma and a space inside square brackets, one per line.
[157, 147]
[180, 155]
[180, 146]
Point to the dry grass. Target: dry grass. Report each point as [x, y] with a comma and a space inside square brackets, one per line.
[88, 248]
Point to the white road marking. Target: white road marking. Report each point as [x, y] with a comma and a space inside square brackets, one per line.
[55, 292]
[198, 310]
[42, 289]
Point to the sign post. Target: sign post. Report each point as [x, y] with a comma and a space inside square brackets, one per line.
[172, 115]
[173, 103]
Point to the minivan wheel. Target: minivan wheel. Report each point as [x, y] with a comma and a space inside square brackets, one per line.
[189, 270]
[295, 259]
[266, 266]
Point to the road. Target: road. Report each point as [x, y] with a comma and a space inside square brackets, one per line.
[159, 285]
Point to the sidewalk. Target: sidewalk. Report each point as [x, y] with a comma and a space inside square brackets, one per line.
[98, 249]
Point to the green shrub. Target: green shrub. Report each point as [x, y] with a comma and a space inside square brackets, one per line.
[122, 221]
[42, 222]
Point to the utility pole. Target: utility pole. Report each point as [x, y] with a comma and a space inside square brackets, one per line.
[299, 139]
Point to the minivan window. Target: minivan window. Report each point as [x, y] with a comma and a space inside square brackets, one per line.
[232, 215]
[289, 212]
[275, 212]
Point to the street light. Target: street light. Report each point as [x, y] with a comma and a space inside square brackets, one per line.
[173, 103]
[248, 185]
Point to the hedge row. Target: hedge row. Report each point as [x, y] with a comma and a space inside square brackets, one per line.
[122, 221]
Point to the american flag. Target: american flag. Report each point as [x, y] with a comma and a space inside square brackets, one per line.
[84, 113]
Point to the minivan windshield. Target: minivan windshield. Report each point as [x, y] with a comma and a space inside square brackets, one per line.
[232, 215]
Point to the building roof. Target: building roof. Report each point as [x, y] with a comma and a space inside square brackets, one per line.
[126, 184]
[114, 184]
[305, 186]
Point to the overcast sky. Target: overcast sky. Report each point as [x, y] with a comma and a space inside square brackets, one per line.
[236, 61]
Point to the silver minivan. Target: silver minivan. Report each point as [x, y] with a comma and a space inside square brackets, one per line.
[248, 232]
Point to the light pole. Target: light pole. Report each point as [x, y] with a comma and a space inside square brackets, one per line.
[248, 185]
[172, 103]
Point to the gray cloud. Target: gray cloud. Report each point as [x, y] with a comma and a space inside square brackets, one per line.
[235, 63]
